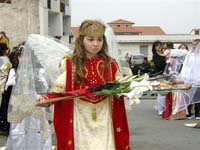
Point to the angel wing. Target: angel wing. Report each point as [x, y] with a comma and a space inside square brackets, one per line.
[48, 51]
[38, 67]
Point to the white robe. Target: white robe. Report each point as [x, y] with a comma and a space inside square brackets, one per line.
[27, 136]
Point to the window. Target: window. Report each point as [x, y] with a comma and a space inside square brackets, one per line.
[62, 7]
[5, 1]
[144, 50]
[49, 4]
[196, 32]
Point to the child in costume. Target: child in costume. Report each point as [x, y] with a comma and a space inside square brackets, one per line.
[100, 122]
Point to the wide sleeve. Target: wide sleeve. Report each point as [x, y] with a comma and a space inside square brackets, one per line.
[58, 87]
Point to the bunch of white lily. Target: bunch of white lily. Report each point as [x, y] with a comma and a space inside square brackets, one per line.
[137, 87]
[131, 87]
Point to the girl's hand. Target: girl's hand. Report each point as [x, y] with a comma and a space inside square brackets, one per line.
[41, 102]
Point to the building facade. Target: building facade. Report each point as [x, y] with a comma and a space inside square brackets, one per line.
[142, 44]
[134, 39]
[19, 18]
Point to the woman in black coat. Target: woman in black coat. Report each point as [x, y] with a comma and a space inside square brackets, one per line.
[158, 60]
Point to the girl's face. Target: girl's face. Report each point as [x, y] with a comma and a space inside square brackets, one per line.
[183, 47]
[92, 45]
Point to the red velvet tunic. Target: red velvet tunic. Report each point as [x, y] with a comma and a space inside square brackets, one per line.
[63, 111]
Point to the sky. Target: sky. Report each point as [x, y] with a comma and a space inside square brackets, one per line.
[173, 16]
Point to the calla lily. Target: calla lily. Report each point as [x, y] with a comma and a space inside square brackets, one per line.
[137, 90]
[131, 87]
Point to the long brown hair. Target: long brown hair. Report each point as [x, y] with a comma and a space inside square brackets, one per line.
[79, 57]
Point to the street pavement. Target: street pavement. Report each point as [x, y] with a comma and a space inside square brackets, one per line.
[149, 132]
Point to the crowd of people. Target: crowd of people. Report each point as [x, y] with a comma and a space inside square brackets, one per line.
[172, 105]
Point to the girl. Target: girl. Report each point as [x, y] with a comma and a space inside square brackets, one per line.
[100, 122]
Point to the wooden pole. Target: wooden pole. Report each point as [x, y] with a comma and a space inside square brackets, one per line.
[53, 100]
